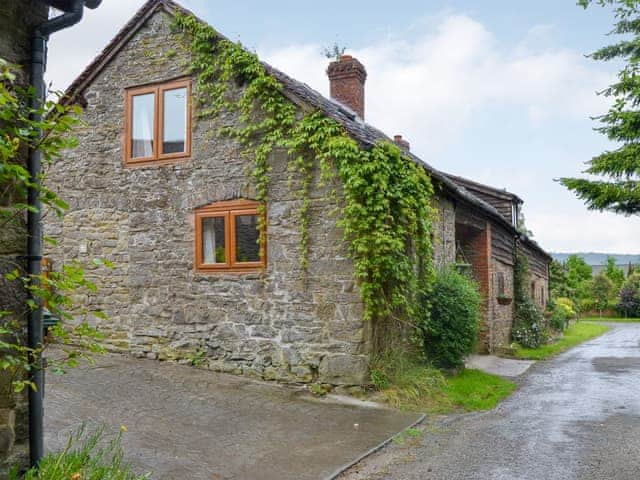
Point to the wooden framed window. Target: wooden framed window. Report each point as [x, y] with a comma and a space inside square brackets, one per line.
[158, 123]
[228, 237]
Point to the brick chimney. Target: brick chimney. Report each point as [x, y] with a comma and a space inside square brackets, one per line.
[402, 143]
[346, 83]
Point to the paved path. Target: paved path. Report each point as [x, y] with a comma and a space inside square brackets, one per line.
[576, 417]
[504, 367]
[185, 423]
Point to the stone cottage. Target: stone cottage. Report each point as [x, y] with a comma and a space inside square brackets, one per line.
[155, 190]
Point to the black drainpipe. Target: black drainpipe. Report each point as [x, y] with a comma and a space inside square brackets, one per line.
[34, 246]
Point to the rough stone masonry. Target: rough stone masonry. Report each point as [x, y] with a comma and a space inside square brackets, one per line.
[285, 324]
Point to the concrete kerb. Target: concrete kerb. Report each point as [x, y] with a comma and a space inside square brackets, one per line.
[373, 450]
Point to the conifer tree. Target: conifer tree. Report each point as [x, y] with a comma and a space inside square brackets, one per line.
[617, 187]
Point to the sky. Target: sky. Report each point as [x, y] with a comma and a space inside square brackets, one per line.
[493, 90]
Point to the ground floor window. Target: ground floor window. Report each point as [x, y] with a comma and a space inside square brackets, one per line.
[228, 237]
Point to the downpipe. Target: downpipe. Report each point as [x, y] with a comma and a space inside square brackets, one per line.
[34, 219]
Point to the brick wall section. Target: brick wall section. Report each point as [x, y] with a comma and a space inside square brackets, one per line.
[17, 20]
[481, 264]
[346, 83]
[475, 242]
[287, 325]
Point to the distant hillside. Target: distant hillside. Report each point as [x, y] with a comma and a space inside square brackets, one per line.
[593, 258]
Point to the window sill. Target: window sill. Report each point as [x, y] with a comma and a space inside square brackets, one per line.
[219, 272]
[163, 162]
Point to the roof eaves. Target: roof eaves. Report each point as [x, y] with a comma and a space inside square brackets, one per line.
[498, 192]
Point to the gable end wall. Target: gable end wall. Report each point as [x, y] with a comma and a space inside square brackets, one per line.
[287, 325]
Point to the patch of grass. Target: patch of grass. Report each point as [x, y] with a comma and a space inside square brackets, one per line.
[476, 390]
[574, 335]
[610, 319]
[407, 383]
[407, 435]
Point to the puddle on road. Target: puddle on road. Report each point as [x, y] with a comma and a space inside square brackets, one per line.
[616, 364]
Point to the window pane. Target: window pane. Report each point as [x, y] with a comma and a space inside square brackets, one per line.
[175, 121]
[214, 249]
[247, 236]
[142, 125]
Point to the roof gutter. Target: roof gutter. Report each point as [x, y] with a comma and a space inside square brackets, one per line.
[72, 15]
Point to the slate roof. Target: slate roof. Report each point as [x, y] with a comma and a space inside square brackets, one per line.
[299, 93]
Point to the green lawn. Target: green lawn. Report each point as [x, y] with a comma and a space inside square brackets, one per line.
[574, 335]
[475, 390]
[610, 319]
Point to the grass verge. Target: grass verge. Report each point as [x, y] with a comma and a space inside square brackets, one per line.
[408, 384]
[610, 319]
[574, 335]
[476, 390]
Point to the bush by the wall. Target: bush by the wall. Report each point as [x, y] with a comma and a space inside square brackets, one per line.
[529, 330]
[563, 310]
[451, 331]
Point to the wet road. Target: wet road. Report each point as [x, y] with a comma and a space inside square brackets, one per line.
[575, 417]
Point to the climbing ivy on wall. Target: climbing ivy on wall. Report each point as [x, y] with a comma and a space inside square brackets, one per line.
[387, 212]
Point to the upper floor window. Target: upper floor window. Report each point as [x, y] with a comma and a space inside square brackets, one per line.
[158, 123]
[228, 237]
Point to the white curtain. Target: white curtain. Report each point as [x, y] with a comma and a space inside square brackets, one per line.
[143, 112]
[209, 241]
[147, 123]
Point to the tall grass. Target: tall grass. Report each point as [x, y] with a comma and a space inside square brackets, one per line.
[407, 382]
[87, 456]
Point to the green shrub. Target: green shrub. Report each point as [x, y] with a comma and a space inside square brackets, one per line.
[629, 297]
[451, 331]
[562, 311]
[529, 328]
[566, 306]
[87, 457]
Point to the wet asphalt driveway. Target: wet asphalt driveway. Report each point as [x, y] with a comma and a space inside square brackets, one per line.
[190, 424]
[575, 417]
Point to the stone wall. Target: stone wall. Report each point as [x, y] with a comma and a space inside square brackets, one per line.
[17, 20]
[444, 233]
[538, 274]
[502, 308]
[287, 324]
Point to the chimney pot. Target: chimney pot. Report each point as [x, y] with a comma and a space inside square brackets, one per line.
[346, 82]
[402, 143]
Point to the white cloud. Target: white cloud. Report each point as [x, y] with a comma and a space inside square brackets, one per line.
[429, 88]
[576, 229]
